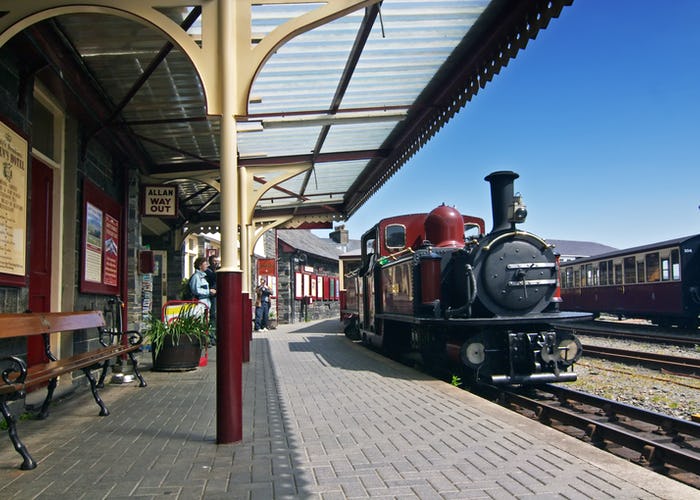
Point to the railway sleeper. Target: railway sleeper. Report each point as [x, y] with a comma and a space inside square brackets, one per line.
[596, 435]
[652, 458]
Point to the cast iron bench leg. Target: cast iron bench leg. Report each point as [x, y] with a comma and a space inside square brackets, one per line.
[28, 462]
[105, 369]
[44, 412]
[93, 387]
[136, 369]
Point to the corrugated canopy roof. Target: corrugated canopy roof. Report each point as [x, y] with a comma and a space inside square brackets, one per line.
[355, 98]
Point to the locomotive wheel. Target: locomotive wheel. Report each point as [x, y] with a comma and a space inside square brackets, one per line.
[352, 330]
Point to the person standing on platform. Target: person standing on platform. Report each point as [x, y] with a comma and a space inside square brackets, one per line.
[262, 305]
[199, 286]
[211, 279]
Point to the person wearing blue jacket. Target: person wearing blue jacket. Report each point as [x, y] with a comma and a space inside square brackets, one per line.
[199, 286]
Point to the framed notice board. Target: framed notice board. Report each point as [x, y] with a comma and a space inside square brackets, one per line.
[13, 206]
[100, 245]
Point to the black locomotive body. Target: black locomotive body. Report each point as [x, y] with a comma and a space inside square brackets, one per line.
[479, 306]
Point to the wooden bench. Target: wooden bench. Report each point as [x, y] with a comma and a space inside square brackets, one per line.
[17, 377]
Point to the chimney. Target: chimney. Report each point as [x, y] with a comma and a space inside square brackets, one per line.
[340, 235]
[501, 198]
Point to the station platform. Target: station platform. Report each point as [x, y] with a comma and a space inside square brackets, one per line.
[324, 418]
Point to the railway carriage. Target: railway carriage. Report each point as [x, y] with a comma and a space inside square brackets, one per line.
[479, 305]
[659, 282]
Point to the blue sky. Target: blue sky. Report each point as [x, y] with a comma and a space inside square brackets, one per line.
[599, 116]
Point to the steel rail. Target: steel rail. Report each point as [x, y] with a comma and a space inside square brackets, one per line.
[676, 364]
[612, 332]
[653, 451]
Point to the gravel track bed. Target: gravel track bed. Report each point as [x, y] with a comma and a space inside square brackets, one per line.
[666, 393]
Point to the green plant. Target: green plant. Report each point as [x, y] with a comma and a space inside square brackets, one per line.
[456, 381]
[24, 416]
[183, 290]
[189, 322]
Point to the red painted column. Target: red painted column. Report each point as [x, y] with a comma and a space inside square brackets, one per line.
[246, 318]
[229, 371]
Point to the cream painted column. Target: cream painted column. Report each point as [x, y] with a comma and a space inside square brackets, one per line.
[229, 380]
[246, 297]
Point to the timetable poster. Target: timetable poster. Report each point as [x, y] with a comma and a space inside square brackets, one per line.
[111, 251]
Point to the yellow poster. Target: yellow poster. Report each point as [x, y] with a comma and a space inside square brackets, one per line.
[13, 202]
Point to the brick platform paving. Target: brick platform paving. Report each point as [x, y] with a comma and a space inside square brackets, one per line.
[324, 418]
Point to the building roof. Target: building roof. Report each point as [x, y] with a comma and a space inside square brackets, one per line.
[306, 241]
[575, 249]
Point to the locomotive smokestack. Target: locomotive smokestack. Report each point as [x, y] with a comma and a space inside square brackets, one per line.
[501, 198]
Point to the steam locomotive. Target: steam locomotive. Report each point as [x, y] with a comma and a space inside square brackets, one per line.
[479, 305]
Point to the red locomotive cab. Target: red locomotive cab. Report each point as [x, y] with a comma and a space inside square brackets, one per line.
[444, 227]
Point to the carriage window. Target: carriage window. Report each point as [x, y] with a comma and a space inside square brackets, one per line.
[610, 273]
[618, 274]
[630, 265]
[640, 271]
[395, 236]
[665, 269]
[675, 264]
[577, 278]
[568, 278]
[603, 266]
[589, 275]
[652, 264]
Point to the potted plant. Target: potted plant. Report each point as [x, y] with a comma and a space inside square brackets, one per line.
[177, 343]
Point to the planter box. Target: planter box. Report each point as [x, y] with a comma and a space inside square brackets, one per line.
[174, 358]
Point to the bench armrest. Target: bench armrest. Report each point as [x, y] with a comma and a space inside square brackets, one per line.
[18, 365]
[133, 337]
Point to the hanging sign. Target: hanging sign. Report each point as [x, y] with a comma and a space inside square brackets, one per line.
[159, 201]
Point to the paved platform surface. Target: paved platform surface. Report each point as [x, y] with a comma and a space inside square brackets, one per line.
[324, 418]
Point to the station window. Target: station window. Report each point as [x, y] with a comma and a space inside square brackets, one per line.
[640, 271]
[618, 273]
[395, 236]
[630, 266]
[675, 264]
[603, 266]
[652, 264]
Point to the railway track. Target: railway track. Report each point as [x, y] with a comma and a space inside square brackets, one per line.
[646, 334]
[665, 444]
[674, 364]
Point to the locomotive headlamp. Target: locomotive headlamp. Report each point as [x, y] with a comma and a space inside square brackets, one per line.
[517, 212]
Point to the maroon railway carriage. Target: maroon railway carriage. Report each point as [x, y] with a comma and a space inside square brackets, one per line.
[659, 282]
[478, 305]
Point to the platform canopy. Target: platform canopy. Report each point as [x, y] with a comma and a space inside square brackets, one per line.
[346, 103]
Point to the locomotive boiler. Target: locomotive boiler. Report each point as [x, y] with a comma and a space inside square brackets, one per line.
[479, 305]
